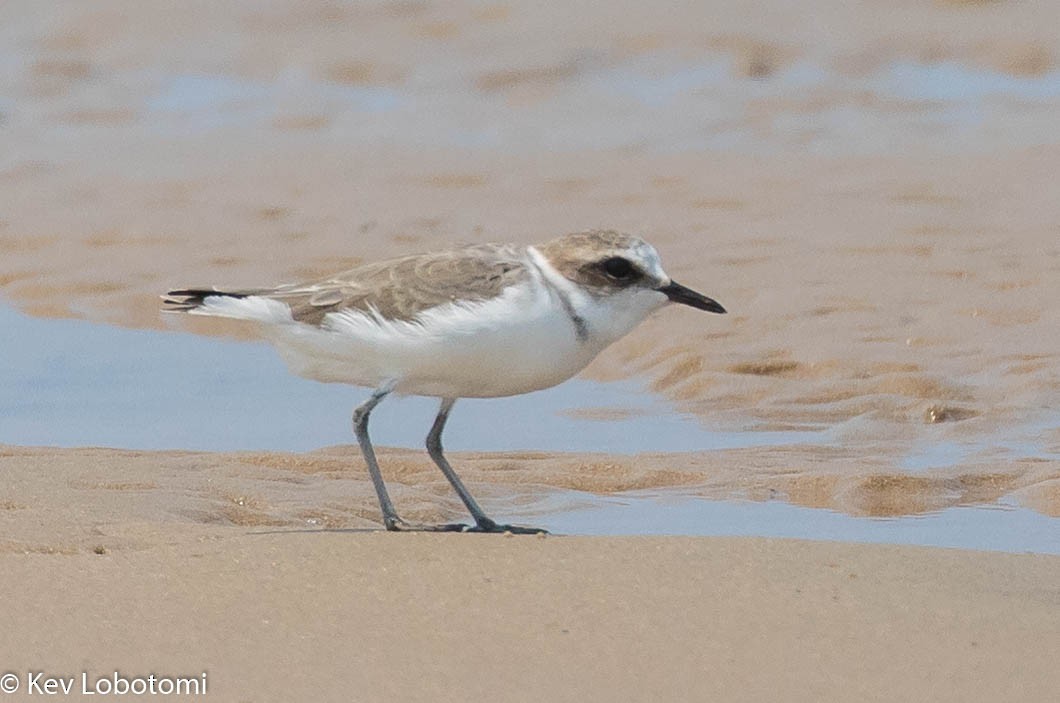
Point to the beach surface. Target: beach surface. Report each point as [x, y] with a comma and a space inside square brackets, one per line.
[155, 562]
[270, 613]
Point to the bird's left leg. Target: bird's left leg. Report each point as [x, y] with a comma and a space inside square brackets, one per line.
[483, 523]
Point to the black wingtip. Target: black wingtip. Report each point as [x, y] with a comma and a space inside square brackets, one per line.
[184, 299]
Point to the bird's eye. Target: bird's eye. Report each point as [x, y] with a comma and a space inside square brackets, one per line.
[618, 268]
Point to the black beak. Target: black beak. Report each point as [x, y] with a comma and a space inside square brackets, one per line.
[686, 296]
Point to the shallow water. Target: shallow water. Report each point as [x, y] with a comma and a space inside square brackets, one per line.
[70, 383]
[657, 101]
[74, 383]
[1002, 528]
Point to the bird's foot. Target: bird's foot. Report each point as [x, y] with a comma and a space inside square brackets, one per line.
[396, 524]
[485, 525]
[489, 526]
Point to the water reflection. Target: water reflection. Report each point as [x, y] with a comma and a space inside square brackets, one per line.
[996, 528]
[75, 383]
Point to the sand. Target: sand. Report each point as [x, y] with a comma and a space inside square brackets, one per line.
[273, 613]
[869, 190]
[270, 574]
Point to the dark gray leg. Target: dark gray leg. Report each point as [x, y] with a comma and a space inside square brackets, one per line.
[434, 448]
[360, 427]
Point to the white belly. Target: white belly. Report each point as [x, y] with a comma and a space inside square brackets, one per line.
[519, 342]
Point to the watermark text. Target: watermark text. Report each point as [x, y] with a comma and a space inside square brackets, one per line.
[42, 683]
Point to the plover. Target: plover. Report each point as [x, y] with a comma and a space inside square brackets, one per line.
[478, 321]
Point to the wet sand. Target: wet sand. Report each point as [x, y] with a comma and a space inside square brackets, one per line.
[869, 192]
[330, 488]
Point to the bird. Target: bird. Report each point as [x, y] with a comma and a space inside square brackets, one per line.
[471, 321]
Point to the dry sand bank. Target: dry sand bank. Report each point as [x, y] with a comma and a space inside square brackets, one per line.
[338, 616]
[176, 563]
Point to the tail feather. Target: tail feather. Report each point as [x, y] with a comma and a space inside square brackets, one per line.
[255, 305]
[187, 299]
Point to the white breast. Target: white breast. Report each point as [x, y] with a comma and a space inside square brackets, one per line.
[515, 343]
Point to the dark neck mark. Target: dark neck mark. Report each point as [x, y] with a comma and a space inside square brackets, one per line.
[581, 327]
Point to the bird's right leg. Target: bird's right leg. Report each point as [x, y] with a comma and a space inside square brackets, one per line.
[360, 428]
